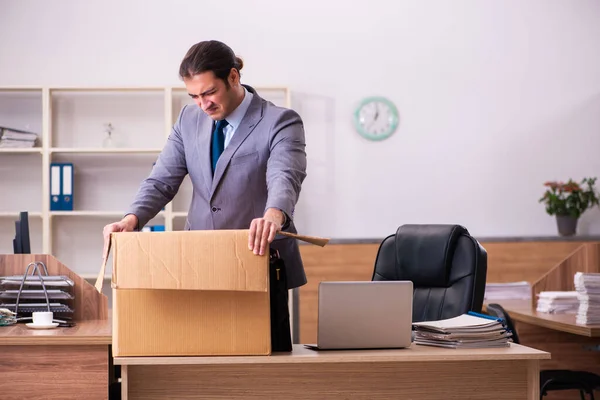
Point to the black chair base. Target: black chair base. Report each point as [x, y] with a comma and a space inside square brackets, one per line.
[583, 381]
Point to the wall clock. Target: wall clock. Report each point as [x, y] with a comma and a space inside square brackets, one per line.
[376, 118]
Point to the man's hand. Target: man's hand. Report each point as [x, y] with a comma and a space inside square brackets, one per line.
[263, 230]
[127, 224]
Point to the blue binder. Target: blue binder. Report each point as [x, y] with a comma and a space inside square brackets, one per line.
[153, 228]
[61, 187]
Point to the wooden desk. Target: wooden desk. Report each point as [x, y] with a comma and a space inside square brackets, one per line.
[61, 363]
[523, 311]
[417, 372]
[509, 260]
[56, 363]
[572, 346]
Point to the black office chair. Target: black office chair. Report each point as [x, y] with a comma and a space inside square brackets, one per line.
[446, 264]
[553, 379]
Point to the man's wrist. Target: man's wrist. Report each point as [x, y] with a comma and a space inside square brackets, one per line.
[131, 220]
[277, 215]
[284, 219]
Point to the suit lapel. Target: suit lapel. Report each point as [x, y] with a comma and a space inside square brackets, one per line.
[204, 134]
[249, 122]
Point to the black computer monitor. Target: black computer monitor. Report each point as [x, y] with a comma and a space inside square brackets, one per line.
[21, 242]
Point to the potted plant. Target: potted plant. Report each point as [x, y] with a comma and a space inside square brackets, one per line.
[567, 201]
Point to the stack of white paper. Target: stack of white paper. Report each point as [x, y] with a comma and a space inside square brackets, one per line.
[558, 302]
[587, 286]
[512, 290]
[464, 331]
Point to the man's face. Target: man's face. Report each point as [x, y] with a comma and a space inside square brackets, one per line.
[212, 95]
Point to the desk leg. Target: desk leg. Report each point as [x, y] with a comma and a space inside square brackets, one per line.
[124, 382]
[533, 379]
[568, 351]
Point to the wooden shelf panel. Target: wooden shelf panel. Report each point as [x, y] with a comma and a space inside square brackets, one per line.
[116, 214]
[20, 89]
[117, 89]
[284, 89]
[28, 150]
[91, 150]
[15, 214]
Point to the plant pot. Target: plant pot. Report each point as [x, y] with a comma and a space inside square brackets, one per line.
[566, 224]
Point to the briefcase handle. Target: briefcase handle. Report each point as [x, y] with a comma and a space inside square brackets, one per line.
[319, 241]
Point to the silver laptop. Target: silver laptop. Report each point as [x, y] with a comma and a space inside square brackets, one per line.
[364, 315]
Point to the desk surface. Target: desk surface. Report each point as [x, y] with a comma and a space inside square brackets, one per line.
[522, 311]
[92, 332]
[300, 354]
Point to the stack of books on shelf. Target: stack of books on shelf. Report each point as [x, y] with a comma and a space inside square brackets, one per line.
[512, 290]
[587, 286]
[14, 138]
[557, 302]
[468, 331]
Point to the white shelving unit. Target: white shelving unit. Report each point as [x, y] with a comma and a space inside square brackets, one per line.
[71, 126]
[21, 151]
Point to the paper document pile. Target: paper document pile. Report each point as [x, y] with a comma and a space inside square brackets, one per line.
[512, 290]
[587, 286]
[465, 331]
[558, 302]
[36, 293]
[13, 138]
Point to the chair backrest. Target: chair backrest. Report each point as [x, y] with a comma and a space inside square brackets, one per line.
[498, 311]
[446, 264]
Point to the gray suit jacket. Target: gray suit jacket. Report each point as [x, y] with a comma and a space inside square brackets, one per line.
[263, 166]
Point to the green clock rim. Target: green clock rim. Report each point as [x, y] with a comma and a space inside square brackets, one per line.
[395, 118]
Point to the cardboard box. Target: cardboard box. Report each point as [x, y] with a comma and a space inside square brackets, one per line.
[189, 293]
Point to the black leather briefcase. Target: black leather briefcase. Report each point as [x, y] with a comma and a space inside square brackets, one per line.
[281, 337]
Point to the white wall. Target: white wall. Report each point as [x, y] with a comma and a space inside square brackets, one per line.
[495, 97]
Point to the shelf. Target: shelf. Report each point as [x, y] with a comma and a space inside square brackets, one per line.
[284, 89]
[91, 150]
[22, 110]
[101, 214]
[80, 117]
[72, 126]
[27, 150]
[15, 214]
[109, 89]
[20, 89]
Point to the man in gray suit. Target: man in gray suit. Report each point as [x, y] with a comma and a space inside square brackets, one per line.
[245, 157]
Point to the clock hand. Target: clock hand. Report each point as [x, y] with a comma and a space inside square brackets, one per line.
[369, 126]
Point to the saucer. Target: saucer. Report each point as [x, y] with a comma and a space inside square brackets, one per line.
[39, 326]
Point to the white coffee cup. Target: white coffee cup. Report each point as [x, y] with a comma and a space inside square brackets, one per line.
[42, 317]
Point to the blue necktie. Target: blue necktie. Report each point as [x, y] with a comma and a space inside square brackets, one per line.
[218, 142]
